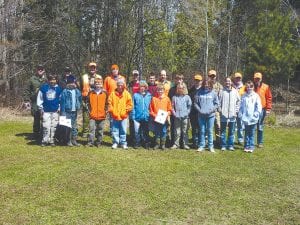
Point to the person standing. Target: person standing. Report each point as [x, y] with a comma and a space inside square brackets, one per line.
[181, 108]
[97, 103]
[239, 86]
[160, 102]
[30, 96]
[110, 81]
[217, 87]
[119, 106]
[152, 84]
[249, 113]
[87, 84]
[229, 108]
[193, 114]
[163, 81]
[48, 104]
[264, 92]
[70, 104]
[140, 115]
[206, 104]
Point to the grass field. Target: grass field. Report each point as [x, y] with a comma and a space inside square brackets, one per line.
[102, 186]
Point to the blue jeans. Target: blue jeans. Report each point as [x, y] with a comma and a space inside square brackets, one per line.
[249, 136]
[260, 127]
[119, 131]
[230, 138]
[160, 130]
[206, 125]
[73, 116]
[195, 130]
[141, 132]
[240, 130]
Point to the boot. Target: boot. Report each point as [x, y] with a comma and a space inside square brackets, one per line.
[163, 143]
[74, 142]
[70, 142]
[156, 145]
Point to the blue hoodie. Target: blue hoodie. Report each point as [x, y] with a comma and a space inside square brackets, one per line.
[206, 102]
[140, 111]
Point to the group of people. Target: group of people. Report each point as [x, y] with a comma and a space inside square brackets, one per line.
[167, 109]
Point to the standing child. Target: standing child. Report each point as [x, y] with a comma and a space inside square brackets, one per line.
[70, 104]
[160, 102]
[181, 108]
[97, 104]
[119, 107]
[249, 113]
[229, 108]
[140, 114]
[48, 104]
[206, 103]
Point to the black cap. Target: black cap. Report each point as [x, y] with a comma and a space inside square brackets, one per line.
[40, 67]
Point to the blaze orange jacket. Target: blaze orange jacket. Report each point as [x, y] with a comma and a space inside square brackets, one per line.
[120, 104]
[97, 105]
[265, 95]
[110, 84]
[163, 103]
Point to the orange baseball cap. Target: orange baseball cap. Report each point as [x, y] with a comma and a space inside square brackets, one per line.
[114, 67]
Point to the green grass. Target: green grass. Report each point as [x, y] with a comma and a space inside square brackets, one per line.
[102, 186]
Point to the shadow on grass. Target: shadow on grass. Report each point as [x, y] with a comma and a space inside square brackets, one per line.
[30, 138]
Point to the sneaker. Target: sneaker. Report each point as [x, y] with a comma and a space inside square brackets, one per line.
[114, 146]
[43, 144]
[260, 146]
[231, 148]
[250, 150]
[200, 149]
[223, 149]
[212, 150]
[90, 144]
[186, 147]
[174, 147]
[52, 145]
[156, 147]
[246, 150]
[125, 146]
[98, 145]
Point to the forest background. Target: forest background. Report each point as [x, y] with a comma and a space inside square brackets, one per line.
[149, 35]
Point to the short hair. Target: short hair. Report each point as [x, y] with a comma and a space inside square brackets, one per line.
[207, 81]
[160, 86]
[179, 76]
[98, 80]
[52, 77]
[249, 83]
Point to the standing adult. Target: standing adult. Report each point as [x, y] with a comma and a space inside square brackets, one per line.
[193, 115]
[229, 108]
[87, 84]
[63, 80]
[30, 96]
[217, 87]
[152, 84]
[206, 103]
[239, 86]
[264, 92]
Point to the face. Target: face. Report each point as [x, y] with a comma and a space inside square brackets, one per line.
[98, 85]
[237, 79]
[212, 77]
[115, 72]
[40, 72]
[163, 76]
[249, 88]
[93, 69]
[160, 92]
[52, 82]
[120, 87]
[136, 77]
[152, 79]
[257, 80]
[228, 82]
[142, 89]
[206, 85]
[197, 83]
[180, 90]
[179, 80]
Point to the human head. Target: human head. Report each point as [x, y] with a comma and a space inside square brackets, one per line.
[120, 85]
[136, 75]
[52, 79]
[257, 78]
[152, 78]
[237, 77]
[227, 82]
[98, 83]
[92, 67]
[207, 84]
[249, 86]
[40, 70]
[143, 86]
[115, 70]
[198, 80]
[179, 78]
[163, 75]
[160, 90]
[212, 75]
[180, 89]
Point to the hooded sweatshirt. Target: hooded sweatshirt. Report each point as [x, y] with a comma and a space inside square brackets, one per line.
[229, 104]
[206, 102]
[250, 108]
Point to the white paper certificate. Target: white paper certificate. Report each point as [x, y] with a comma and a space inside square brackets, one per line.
[64, 121]
[161, 116]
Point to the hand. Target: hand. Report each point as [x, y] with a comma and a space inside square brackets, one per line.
[268, 112]
[27, 105]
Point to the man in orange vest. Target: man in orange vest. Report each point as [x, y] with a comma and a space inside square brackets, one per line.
[264, 92]
[86, 85]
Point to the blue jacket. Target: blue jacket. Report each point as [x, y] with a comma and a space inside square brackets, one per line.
[66, 100]
[141, 105]
[181, 106]
[48, 98]
[206, 102]
[250, 108]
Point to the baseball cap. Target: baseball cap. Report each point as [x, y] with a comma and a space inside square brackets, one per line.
[237, 74]
[258, 75]
[212, 72]
[163, 72]
[92, 64]
[197, 77]
[114, 67]
[135, 72]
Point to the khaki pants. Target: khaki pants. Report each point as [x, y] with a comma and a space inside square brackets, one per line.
[50, 121]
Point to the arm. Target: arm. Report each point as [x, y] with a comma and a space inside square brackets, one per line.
[268, 100]
[40, 100]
